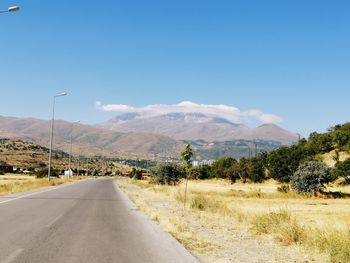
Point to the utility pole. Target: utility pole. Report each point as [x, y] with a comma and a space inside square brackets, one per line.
[78, 163]
[103, 163]
[71, 149]
[88, 166]
[52, 127]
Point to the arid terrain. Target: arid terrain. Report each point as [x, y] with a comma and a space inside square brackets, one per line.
[247, 222]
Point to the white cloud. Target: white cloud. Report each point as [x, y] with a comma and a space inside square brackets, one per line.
[224, 111]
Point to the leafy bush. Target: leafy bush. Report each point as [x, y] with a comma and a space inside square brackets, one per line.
[42, 173]
[320, 143]
[221, 167]
[284, 162]
[256, 170]
[136, 174]
[166, 173]
[342, 169]
[239, 170]
[311, 177]
[200, 172]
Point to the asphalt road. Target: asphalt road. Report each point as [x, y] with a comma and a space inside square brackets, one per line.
[88, 221]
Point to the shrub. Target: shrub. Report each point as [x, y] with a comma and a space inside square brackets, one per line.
[342, 169]
[239, 170]
[200, 172]
[256, 170]
[311, 177]
[284, 162]
[199, 202]
[220, 167]
[42, 173]
[136, 174]
[166, 173]
[281, 225]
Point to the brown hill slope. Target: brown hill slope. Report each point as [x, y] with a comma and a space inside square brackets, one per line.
[90, 139]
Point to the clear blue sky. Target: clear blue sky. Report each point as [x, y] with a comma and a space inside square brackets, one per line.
[290, 58]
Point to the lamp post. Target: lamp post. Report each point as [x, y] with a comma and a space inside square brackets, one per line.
[10, 9]
[78, 169]
[71, 149]
[52, 127]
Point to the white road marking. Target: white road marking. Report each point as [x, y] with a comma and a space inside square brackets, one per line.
[54, 221]
[58, 217]
[12, 256]
[36, 193]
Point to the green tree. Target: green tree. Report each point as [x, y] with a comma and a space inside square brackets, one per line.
[283, 162]
[166, 173]
[221, 167]
[342, 169]
[239, 170]
[256, 169]
[319, 143]
[200, 172]
[186, 156]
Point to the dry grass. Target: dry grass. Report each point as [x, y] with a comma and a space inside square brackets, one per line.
[316, 223]
[10, 183]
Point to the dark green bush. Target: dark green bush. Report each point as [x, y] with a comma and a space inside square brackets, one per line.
[256, 170]
[342, 169]
[166, 173]
[136, 174]
[42, 173]
[284, 162]
[200, 172]
[220, 168]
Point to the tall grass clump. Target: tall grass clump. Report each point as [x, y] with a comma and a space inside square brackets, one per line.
[281, 225]
[333, 242]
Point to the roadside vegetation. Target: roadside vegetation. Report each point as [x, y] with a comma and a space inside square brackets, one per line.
[291, 193]
[14, 183]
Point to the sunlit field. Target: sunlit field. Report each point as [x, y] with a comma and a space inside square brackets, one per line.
[318, 225]
[13, 183]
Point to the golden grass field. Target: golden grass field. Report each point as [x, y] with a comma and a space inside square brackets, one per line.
[14, 183]
[248, 222]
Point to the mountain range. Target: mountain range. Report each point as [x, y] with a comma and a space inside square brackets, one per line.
[91, 139]
[197, 126]
[134, 135]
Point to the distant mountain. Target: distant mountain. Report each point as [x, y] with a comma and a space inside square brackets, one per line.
[91, 139]
[197, 126]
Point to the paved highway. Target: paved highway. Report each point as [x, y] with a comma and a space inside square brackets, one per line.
[88, 221]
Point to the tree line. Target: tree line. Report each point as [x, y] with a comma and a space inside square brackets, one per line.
[299, 165]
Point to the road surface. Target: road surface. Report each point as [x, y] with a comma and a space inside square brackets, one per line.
[88, 221]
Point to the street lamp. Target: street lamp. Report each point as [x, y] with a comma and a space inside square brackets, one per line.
[71, 148]
[52, 126]
[10, 9]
